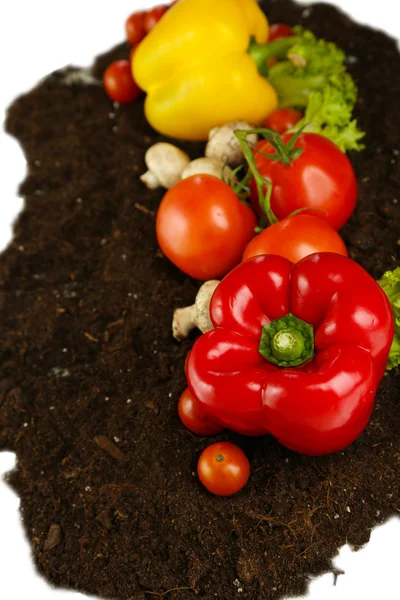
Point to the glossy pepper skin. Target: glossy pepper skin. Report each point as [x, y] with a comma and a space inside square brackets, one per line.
[196, 71]
[318, 407]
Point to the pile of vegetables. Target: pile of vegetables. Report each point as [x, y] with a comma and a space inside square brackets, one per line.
[296, 336]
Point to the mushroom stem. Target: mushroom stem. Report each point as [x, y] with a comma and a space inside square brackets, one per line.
[150, 180]
[183, 322]
[197, 315]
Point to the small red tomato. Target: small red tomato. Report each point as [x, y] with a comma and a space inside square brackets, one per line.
[193, 417]
[153, 16]
[223, 469]
[119, 83]
[134, 26]
[203, 228]
[279, 30]
[296, 237]
[283, 119]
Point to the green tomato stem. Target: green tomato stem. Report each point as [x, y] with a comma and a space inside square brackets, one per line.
[285, 153]
[261, 183]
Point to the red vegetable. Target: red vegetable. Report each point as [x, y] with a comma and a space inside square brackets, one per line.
[279, 30]
[203, 228]
[193, 418]
[295, 238]
[298, 351]
[320, 178]
[283, 119]
[134, 26]
[223, 469]
[119, 83]
[153, 16]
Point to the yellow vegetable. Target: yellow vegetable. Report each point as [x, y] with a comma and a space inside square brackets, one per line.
[196, 70]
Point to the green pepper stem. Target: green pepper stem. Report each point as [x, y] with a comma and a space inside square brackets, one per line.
[278, 49]
[294, 91]
[287, 342]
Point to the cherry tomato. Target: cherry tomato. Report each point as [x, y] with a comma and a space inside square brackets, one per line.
[134, 26]
[223, 469]
[119, 83]
[279, 30]
[193, 417]
[153, 16]
[321, 178]
[203, 228]
[283, 119]
[296, 237]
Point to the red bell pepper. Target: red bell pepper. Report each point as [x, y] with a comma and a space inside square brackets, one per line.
[297, 351]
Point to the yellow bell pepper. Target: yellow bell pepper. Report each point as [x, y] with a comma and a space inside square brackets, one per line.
[196, 70]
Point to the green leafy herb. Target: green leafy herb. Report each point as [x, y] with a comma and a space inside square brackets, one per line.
[313, 77]
[390, 283]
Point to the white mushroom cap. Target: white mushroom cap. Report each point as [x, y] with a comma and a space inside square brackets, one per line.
[223, 145]
[165, 163]
[207, 166]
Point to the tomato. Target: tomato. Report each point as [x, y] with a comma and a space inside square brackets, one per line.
[279, 30]
[321, 178]
[203, 228]
[296, 237]
[153, 16]
[283, 119]
[223, 469]
[193, 417]
[119, 83]
[134, 26]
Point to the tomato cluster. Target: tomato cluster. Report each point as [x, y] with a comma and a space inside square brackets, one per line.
[205, 229]
[140, 23]
[118, 81]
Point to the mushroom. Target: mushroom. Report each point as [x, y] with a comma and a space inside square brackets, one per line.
[165, 164]
[209, 166]
[197, 315]
[223, 145]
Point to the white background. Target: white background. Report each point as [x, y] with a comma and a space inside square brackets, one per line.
[38, 36]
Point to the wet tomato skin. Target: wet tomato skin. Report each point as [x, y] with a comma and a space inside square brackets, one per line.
[223, 469]
[119, 83]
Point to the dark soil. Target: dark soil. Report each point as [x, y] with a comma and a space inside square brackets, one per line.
[90, 375]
